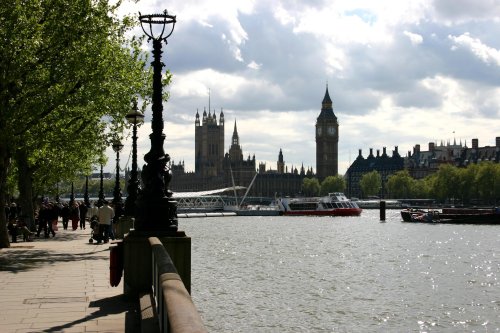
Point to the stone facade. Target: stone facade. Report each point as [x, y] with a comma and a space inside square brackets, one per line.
[419, 163]
[234, 168]
[384, 164]
[327, 140]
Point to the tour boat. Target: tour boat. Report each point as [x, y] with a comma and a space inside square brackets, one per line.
[335, 204]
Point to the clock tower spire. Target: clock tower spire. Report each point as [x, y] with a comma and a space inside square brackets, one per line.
[327, 140]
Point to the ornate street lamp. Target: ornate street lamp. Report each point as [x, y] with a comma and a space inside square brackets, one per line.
[101, 196]
[156, 210]
[57, 192]
[136, 118]
[72, 196]
[117, 193]
[86, 199]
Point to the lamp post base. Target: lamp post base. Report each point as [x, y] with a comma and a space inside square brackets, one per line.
[156, 214]
[137, 259]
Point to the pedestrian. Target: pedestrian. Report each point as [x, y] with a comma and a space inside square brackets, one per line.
[43, 219]
[74, 215]
[13, 211]
[105, 215]
[83, 214]
[65, 215]
[52, 215]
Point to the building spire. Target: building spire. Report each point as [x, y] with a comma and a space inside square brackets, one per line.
[327, 101]
[327, 107]
[236, 139]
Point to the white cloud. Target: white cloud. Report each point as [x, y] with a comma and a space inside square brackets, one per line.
[485, 53]
[254, 65]
[415, 39]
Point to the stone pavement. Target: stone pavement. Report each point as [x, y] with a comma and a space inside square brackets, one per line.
[61, 284]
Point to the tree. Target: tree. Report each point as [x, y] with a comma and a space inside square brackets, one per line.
[400, 185]
[333, 184]
[421, 188]
[445, 184]
[68, 75]
[488, 182]
[467, 185]
[310, 187]
[370, 183]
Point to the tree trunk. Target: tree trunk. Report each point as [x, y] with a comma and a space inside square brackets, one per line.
[4, 167]
[25, 184]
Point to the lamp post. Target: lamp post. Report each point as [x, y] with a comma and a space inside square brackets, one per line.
[101, 196]
[86, 194]
[136, 118]
[72, 196]
[117, 193]
[156, 210]
[57, 192]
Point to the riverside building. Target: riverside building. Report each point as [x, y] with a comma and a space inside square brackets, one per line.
[419, 163]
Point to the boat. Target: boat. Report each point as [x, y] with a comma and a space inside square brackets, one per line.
[453, 215]
[256, 210]
[335, 204]
[375, 203]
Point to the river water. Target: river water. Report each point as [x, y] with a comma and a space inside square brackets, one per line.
[344, 274]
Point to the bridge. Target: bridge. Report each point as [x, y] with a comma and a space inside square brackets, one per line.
[214, 200]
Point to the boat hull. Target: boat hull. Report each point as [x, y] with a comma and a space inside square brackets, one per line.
[254, 212]
[326, 212]
[453, 215]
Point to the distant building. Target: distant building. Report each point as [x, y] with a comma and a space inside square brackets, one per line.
[327, 140]
[238, 171]
[419, 163]
[209, 144]
[384, 164]
[105, 175]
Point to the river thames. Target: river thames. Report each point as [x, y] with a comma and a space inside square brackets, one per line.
[344, 274]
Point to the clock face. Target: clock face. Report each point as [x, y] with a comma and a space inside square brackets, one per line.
[331, 130]
[318, 130]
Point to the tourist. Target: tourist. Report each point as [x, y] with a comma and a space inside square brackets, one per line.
[74, 215]
[65, 215]
[83, 215]
[105, 214]
[43, 219]
[53, 218]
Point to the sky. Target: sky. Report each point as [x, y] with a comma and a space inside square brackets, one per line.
[399, 73]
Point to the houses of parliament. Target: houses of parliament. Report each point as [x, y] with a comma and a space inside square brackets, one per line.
[217, 169]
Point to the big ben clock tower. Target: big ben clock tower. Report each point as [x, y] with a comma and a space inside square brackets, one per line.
[327, 140]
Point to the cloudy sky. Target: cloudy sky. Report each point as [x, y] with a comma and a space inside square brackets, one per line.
[399, 73]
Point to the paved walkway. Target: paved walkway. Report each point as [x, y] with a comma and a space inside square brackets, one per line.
[61, 284]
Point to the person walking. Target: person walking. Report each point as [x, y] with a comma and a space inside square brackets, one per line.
[43, 219]
[65, 215]
[83, 214]
[53, 215]
[74, 215]
[105, 215]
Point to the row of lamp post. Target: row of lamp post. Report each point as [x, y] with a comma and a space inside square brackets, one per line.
[135, 118]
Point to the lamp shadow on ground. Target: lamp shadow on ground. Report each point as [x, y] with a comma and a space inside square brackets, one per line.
[21, 259]
[105, 307]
